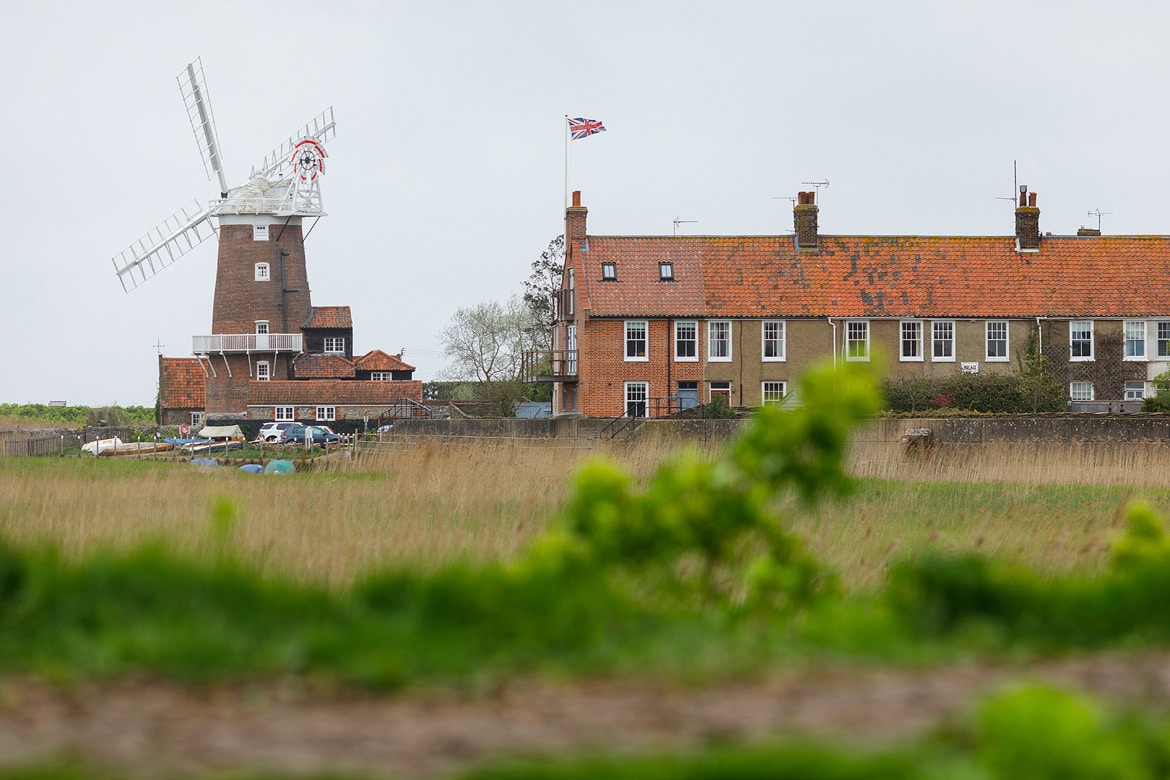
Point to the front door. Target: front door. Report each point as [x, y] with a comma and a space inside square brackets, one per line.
[688, 395]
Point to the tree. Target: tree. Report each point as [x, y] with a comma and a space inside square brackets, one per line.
[541, 288]
[486, 343]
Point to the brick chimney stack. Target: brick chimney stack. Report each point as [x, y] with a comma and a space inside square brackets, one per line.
[804, 216]
[1027, 221]
[575, 221]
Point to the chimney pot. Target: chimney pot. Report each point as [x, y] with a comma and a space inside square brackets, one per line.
[1032, 200]
[576, 199]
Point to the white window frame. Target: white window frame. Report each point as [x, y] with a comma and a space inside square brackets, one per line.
[910, 334]
[772, 392]
[262, 273]
[632, 339]
[1162, 334]
[693, 340]
[1076, 327]
[284, 413]
[719, 347]
[261, 327]
[779, 338]
[380, 376]
[325, 414]
[942, 340]
[1135, 333]
[1076, 391]
[857, 340]
[988, 340]
[637, 392]
[334, 345]
[1134, 386]
[197, 419]
[609, 272]
[263, 371]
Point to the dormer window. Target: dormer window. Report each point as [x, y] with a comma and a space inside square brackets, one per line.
[666, 272]
[609, 272]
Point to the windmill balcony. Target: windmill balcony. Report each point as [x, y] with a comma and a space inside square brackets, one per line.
[549, 365]
[247, 342]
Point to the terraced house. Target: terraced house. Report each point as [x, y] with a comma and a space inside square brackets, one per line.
[651, 324]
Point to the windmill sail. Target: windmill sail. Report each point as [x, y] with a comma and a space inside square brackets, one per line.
[177, 235]
[278, 162]
[193, 86]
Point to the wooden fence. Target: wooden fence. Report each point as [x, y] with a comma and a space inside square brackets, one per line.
[41, 445]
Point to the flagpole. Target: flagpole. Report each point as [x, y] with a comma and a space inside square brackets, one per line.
[566, 130]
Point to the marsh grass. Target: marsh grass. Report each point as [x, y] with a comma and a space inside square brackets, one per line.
[423, 506]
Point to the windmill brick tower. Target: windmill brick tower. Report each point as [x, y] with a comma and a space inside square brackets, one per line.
[263, 320]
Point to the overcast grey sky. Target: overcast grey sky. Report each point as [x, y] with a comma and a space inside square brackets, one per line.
[446, 177]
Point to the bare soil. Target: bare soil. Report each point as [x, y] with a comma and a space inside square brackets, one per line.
[150, 728]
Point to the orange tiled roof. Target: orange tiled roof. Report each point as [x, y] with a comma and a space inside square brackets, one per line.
[181, 383]
[329, 317]
[321, 366]
[882, 276]
[377, 360]
[638, 289]
[341, 392]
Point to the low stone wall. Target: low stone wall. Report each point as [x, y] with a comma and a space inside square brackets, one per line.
[1118, 428]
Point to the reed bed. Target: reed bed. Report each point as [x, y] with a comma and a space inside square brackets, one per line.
[428, 504]
[1114, 464]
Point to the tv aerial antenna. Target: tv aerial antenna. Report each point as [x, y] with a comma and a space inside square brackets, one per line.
[678, 222]
[817, 185]
[1098, 213]
[1015, 187]
[292, 168]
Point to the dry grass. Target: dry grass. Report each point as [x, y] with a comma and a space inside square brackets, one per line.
[1130, 465]
[424, 505]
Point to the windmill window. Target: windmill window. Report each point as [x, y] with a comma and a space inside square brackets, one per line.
[609, 272]
[262, 272]
[263, 373]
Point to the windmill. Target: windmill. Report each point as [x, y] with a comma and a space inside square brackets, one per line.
[286, 182]
[262, 301]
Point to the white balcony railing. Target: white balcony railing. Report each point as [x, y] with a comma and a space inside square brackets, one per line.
[246, 342]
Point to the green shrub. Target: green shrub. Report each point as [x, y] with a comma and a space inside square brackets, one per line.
[692, 522]
[1046, 734]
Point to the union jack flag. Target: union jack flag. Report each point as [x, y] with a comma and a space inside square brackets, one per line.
[580, 127]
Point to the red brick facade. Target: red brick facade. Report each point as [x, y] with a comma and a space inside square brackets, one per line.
[262, 299]
[929, 305]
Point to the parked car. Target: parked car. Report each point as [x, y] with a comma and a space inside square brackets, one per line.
[315, 433]
[273, 432]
